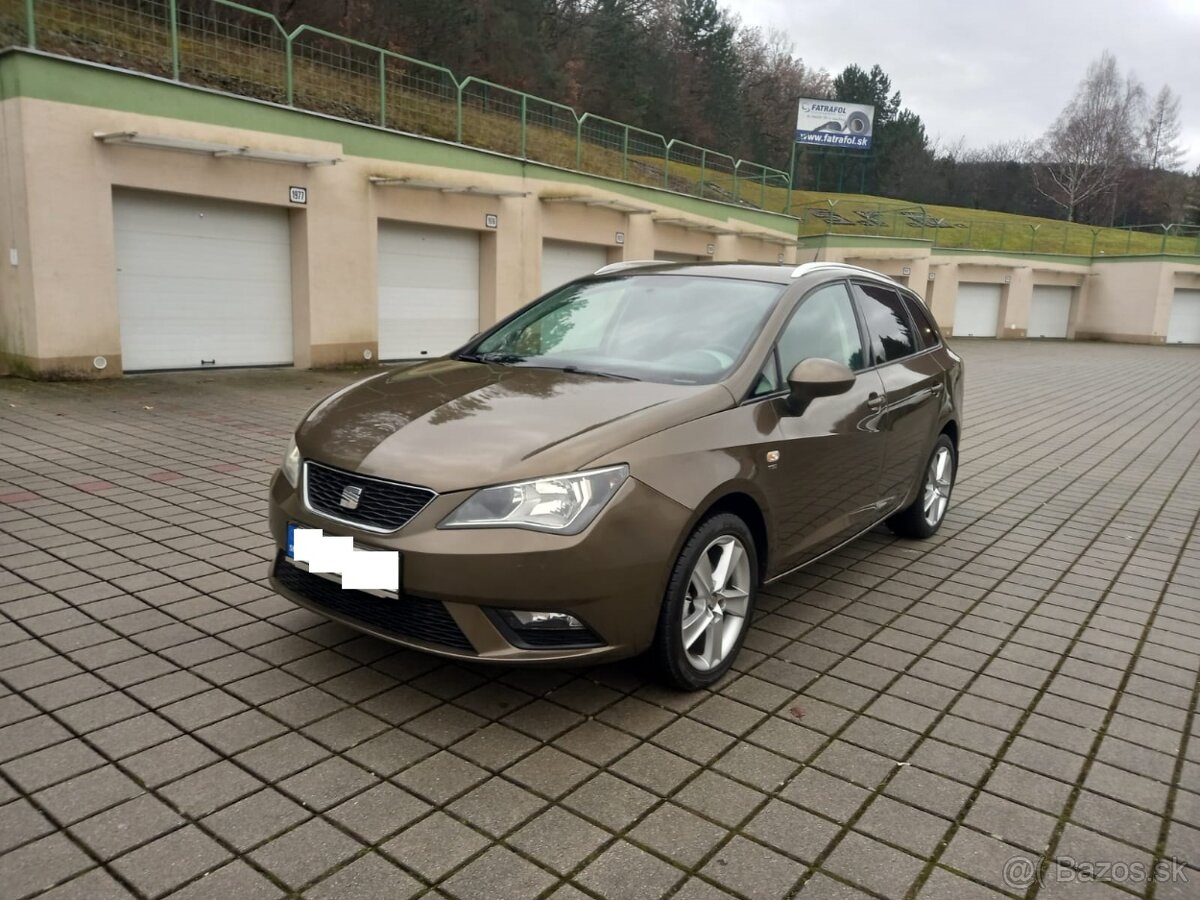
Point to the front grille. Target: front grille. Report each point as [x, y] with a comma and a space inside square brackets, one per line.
[382, 505]
[409, 617]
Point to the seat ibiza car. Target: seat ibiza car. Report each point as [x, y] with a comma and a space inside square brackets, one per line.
[619, 466]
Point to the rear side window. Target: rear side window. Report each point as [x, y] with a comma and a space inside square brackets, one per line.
[924, 321]
[889, 328]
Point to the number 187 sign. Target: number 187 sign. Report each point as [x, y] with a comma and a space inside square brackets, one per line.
[832, 123]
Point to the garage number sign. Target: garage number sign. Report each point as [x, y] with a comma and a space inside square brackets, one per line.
[832, 123]
[298, 194]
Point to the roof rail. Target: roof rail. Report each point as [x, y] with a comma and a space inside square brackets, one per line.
[805, 268]
[626, 264]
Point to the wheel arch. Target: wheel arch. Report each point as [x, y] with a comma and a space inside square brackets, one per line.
[747, 508]
[950, 429]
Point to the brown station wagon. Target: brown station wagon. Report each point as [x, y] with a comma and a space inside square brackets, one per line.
[622, 464]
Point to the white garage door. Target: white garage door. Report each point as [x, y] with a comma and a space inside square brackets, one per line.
[201, 282]
[1184, 325]
[977, 310]
[1049, 312]
[428, 289]
[564, 261]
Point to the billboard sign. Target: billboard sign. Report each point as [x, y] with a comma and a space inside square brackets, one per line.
[832, 123]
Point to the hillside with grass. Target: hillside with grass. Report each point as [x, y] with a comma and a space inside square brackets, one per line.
[957, 227]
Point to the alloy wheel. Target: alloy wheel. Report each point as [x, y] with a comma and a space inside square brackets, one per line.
[718, 598]
[938, 482]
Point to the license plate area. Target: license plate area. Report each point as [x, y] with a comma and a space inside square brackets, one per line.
[349, 564]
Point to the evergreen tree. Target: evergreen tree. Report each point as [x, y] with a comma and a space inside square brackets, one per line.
[899, 146]
[707, 37]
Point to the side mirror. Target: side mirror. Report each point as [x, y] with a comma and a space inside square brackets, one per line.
[816, 377]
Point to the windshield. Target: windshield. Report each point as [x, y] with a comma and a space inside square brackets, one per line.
[670, 328]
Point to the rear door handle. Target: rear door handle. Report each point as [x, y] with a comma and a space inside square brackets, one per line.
[936, 389]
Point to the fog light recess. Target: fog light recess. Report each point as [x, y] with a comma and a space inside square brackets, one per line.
[540, 620]
[540, 630]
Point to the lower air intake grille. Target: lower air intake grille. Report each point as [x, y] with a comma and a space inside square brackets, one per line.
[550, 639]
[415, 618]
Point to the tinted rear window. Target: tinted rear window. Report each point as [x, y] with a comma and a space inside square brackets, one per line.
[890, 329]
[926, 329]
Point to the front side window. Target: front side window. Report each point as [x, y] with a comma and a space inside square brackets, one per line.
[824, 327]
[679, 329]
[768, 381]
[888, 325]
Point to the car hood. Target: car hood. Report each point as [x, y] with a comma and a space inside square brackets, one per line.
[450, 425]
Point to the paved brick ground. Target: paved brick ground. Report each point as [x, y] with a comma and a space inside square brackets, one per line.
[907, 718]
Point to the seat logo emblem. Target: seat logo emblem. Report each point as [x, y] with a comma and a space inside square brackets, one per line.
[351, 494]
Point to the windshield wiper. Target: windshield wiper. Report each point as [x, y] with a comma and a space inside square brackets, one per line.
[490, 357]
[576, 370]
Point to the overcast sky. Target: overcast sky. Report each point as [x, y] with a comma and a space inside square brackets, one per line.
[990, 71]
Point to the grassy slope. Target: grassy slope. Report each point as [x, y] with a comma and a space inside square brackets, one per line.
[987, 230]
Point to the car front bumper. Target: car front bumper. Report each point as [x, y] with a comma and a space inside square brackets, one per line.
[611, 577]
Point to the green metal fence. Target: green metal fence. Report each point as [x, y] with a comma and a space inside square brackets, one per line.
[225, 45]
[1014, 234]
[217, 52]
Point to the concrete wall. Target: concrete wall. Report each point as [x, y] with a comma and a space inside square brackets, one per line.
[59, 308]
[1130, 300]
[1126, 299]
[1017, 279]
[18, 322]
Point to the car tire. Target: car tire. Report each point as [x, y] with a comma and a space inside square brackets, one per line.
[689, 654]
[858, 123]
[924, 516]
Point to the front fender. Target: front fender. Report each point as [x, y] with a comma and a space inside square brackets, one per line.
[699, 463]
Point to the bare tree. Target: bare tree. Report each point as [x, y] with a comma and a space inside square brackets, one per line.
[1160, 139]
[773, 79]
[945, 148]
[1000, 152]
[1091, 145]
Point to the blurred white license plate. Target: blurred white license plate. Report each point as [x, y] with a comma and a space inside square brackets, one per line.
[344, 561]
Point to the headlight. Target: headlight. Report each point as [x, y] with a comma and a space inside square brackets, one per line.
[291, 463]
[564, 504]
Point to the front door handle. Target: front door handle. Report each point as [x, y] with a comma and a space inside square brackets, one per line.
[874, 400]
